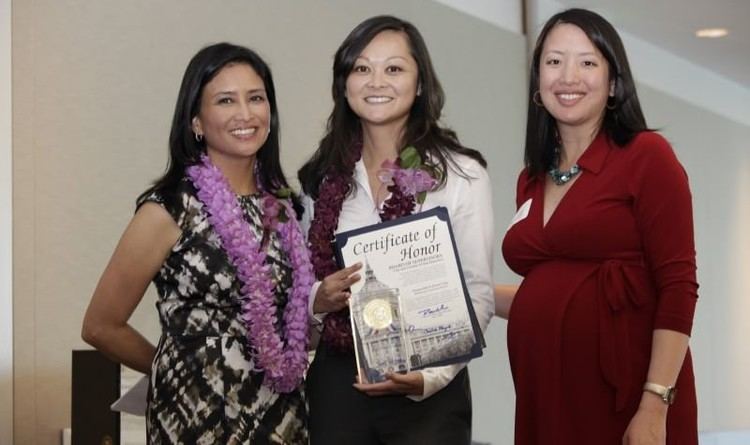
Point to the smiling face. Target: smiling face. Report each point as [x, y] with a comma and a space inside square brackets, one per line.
[574, 79]
[234, 114]
[383, 82]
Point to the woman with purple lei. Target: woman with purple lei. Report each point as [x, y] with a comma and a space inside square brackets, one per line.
[384, 156]
[218, 235]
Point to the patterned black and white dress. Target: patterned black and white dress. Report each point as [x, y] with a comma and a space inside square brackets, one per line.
[204, 388]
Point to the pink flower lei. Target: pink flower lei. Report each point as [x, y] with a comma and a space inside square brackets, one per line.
[284, 360]
[408, 182]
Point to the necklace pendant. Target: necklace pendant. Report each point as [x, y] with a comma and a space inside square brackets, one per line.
[563, 177]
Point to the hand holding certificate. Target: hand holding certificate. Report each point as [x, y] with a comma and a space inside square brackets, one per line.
[412, 310]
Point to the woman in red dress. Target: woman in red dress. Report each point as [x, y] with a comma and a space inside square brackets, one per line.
[598, 330]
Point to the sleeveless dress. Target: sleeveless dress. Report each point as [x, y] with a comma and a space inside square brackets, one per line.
[615, 261]
[203, 387]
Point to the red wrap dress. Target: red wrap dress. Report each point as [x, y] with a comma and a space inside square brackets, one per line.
[615, 261]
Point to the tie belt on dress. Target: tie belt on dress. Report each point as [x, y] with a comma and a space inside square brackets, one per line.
[620, 283]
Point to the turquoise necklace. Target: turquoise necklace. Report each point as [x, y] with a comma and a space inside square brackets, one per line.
[562, 177]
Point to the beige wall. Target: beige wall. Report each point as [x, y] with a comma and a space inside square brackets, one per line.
[94, 89]
[6, 231]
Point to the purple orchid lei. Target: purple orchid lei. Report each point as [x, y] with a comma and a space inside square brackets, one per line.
[407, 186]
[284, 360]
[408, 182]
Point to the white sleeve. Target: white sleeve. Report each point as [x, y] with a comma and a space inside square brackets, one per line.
[309, 208]
[309, 205]
[473, 227]
[436, 379]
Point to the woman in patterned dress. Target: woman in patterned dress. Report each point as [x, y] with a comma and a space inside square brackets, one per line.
[209, 383]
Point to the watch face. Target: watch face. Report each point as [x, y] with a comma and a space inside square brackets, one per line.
[670, 395]
[666, 393]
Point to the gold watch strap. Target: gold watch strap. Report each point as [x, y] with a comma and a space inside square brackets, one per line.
[667, 393]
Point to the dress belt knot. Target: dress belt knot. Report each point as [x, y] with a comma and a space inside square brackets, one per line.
[620, 286]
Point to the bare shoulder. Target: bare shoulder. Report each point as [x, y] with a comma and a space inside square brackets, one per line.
[152, 227]
[151, 212]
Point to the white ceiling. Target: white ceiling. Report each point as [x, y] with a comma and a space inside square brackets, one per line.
[671, 25]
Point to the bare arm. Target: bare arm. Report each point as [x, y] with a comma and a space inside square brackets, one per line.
[504, 294]
[137, 258]
[667, 354]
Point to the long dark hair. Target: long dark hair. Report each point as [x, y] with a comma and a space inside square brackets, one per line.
[185, 150]
[623, 118]
[343, 130]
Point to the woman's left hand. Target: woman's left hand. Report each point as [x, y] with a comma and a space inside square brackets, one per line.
[648, 426]
[411, 383]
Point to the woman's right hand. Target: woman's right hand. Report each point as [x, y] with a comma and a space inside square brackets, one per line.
[333, 294]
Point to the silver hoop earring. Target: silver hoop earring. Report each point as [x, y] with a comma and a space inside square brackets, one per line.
[537, 99]
[613, 104]
[198, 137]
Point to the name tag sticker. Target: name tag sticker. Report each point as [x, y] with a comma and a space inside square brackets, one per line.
[521, 214]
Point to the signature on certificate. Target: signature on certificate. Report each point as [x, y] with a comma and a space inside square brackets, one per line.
[434, 310]
[430, 329]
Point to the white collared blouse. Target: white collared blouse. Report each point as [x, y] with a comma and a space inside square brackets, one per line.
[468, 197]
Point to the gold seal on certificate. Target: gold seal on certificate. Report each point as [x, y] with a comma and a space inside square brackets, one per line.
[377, 314]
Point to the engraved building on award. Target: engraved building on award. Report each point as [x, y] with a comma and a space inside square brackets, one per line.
[379, 336]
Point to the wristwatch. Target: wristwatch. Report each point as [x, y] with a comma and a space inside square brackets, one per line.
[667, 393]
